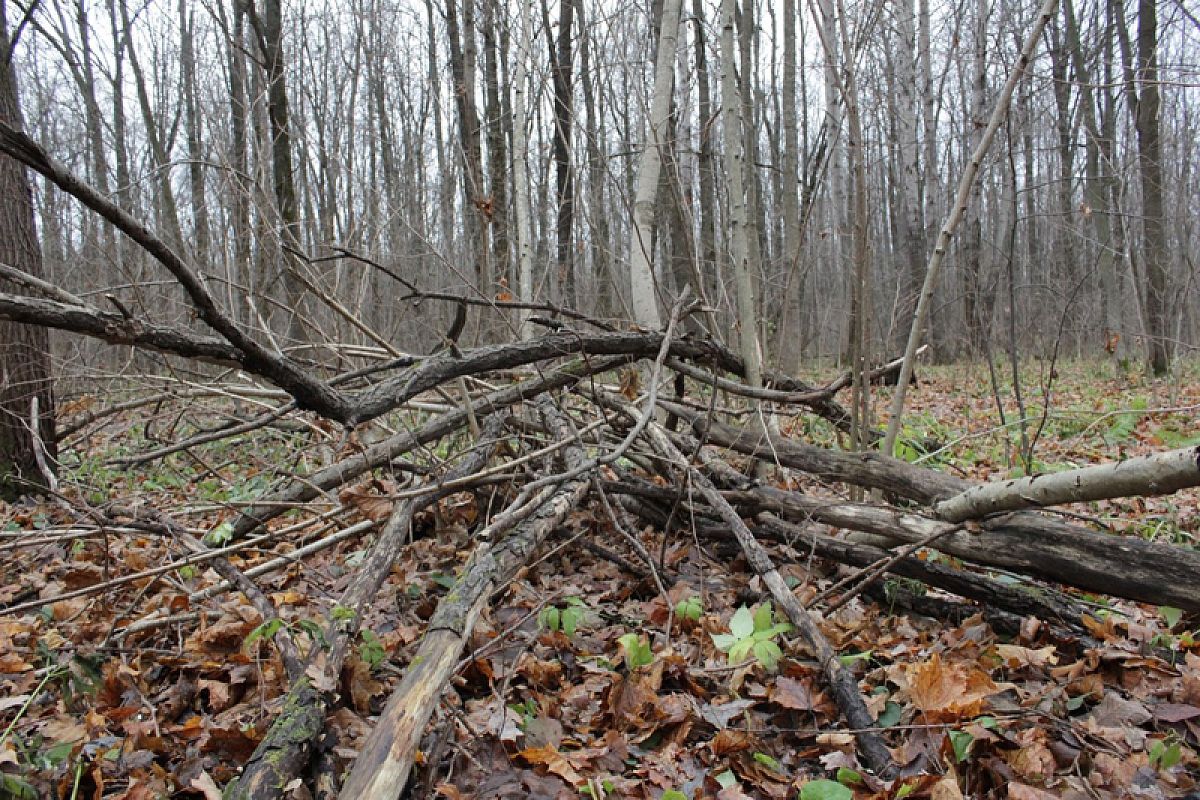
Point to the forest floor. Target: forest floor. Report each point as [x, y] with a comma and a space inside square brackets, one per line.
[580, 679]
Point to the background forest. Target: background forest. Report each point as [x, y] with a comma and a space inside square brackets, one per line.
[494, 149]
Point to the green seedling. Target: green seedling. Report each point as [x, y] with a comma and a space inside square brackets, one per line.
[961, 742]
[637, 650]
[566, 618]
[689, 609]
[371, 650]
[753, 635]
[1165, 753]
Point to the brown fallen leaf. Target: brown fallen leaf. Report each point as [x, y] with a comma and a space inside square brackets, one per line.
[553, 761]
[948, 690]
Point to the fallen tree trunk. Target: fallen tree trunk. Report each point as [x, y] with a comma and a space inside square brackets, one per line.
[1122, 566]
[1161, 473]
[1038, 601]
[1044, 604]
[382, 768]
[284, 751]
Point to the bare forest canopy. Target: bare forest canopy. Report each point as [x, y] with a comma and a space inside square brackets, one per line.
[458, 290]
[400, 131]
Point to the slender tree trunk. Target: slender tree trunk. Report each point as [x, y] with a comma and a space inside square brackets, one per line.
[790, 331]
[707, 210]
[911, 227]
[641, 267]
[1096, 192]
[187, 59]
[975, 310]
[28, 447]
[476, 208]
[860, 306]
[85, 76]
[739, 228]
[242, 269]
[282, 170]
[564, 176]
[520, 166]
[1150, 168]
[602, 278]
[496, 144]
[166, 209]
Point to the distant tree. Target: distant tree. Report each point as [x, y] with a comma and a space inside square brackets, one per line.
[26, 395]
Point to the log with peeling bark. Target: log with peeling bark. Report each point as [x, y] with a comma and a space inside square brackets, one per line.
[840, 682]
[1025, 541]
[1160, 473]
[284, 752]
[384, 762]
[1121, 566]
[1038, 601]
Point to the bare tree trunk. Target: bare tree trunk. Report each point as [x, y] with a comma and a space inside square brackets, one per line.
[602, 280]
[270, 32]
[497, 150]
[520, 168]
[166, 210]
[707, 210]
[788, 351]
[564, 176]
[740, 229]
[1096, 192]
[911, 227]
[242, 232]
[28, 446]
[947, 233]
[191, 106]
[977, 313]
[641, 255]
[1148, 127]
[860, 306]
[476, 208]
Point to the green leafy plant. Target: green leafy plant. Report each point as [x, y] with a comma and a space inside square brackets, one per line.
[726, 779]
[753, 634]
[849, 659]
[768, 762]
[220, 535]
[371, 650]
[672, 794]
[961, 742]
[566, 618]
[848, 777]
[1165, 753]
[824, 789]
[689, 609]
[637, 650]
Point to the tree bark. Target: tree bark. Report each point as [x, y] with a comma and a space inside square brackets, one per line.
[28, 446]
[741, 228]
[643, 286]
[1150, 168]
[947, 233]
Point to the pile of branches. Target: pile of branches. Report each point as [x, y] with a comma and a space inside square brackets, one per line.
[677, 461]
[638, 457]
